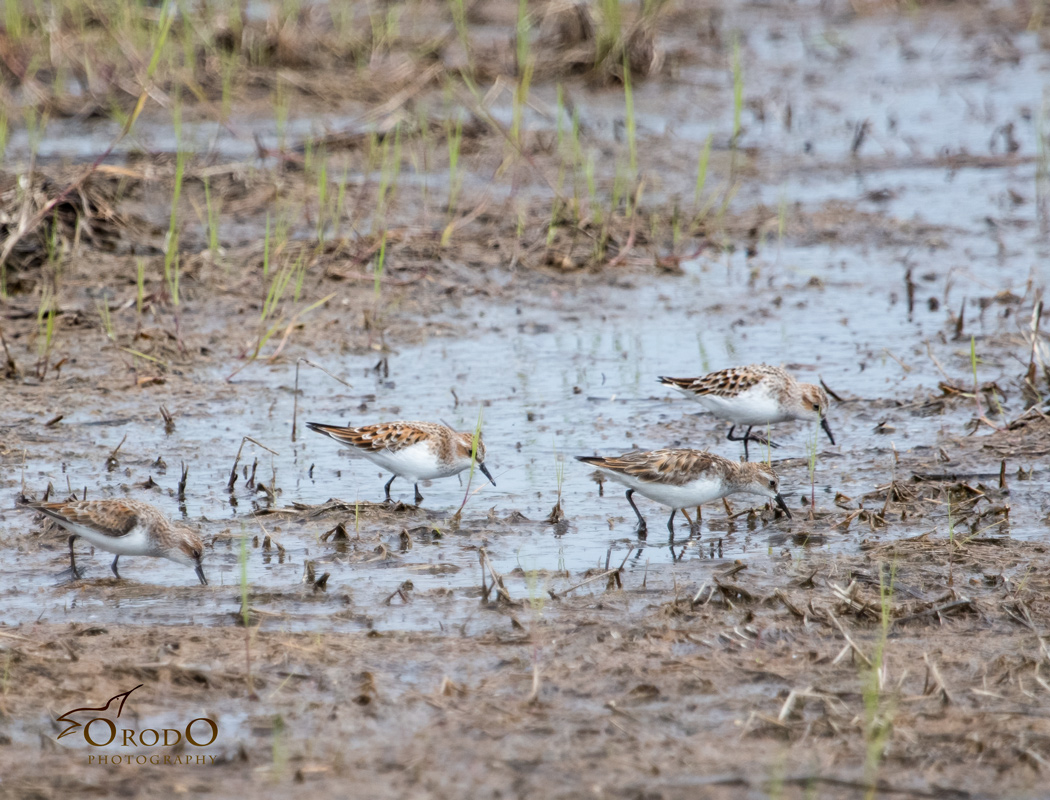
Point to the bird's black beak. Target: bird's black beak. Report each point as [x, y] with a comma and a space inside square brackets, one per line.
[827, 429]
[783, 506]
[200, 574]
[485, 472]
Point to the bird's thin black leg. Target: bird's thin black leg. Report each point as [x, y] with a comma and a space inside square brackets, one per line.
[419, 497]
[113, 567]
[670, 522]
[387, 487]
[759, 438]
[72, 558]
[641, 520]
[745, 438]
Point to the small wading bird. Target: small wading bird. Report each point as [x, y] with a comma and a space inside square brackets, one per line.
[416, 451]
[126, 528]
[757, 394]
[686, 478]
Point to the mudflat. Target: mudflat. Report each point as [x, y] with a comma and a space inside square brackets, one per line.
[513, 218]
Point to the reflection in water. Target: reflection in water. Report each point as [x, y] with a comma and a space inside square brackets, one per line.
[556, 382]
[577, 375]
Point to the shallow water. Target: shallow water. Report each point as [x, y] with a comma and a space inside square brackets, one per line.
[584, 364]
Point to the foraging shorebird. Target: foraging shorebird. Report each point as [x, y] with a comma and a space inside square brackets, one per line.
[126, 528]
[686, 478]
[755, 395]
[416, 451]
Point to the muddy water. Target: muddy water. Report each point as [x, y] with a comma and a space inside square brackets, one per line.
[924, 87]
[571, 373]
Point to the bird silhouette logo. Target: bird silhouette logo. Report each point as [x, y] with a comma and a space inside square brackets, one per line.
[122, 697]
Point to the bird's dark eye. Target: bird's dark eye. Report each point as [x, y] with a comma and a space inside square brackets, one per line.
[772, 484]
[816, 407]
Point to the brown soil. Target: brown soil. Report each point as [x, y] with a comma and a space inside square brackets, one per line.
[888, 643]
[756, 685]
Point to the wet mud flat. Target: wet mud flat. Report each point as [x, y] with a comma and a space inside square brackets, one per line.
[619, 692]
[871, 215]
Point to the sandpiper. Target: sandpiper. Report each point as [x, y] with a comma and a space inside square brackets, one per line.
[126, 528]
[416, 451]
[686, 478]
[757, 394]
